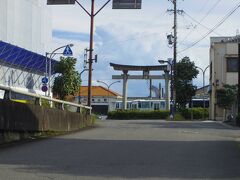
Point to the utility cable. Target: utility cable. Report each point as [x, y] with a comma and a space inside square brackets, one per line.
[201, 20]
[198, 23]
[215, 27]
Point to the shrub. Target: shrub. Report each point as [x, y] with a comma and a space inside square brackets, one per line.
[136, 114]
[178, 117]
[198, 113]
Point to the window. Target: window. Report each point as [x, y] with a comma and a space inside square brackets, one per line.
[92, 100]
[145, 105]
[232, 64]
[118, 105]
[105, 100]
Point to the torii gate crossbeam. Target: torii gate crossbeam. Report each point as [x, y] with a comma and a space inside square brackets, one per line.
[145, 69]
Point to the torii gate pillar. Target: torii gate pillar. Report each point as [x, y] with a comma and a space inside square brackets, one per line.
[125, 78]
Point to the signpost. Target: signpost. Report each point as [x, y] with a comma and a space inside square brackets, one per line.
[59, 2]
[127, 4]
[44, 80]
[67, 51]
[44, 85]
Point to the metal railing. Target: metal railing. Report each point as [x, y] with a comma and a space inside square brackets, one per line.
[40, 97]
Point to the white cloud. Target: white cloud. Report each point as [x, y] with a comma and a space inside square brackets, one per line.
[139, 36]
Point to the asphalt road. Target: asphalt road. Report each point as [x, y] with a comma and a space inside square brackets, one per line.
[139, 149]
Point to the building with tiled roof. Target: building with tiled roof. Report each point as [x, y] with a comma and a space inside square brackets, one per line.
[103, 99]
[98, 91]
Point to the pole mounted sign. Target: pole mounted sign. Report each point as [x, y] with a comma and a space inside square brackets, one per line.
[127, 4]
[67, 51]
[59, 2]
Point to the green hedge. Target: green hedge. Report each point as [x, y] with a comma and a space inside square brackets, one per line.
[198, 113]
[183, 114]
[134, 114]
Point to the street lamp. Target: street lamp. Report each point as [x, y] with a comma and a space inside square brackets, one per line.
[203, 71]
[171, 87]
[52, 54]
[79, 90]
[108, 86]
[80, 76]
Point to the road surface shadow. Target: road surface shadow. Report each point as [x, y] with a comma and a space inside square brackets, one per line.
[185, 125]
[127, 158]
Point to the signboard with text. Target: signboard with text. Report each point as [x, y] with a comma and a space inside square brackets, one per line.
[60, 2]
[127, 4]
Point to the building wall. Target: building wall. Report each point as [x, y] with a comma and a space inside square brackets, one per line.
[219, 52]
[26, 23]
[106, 102]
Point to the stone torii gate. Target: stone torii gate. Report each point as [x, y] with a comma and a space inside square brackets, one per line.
[146, 75]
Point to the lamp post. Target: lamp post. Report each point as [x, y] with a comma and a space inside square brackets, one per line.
[171, 87]
[203, 72]
[79, 93]
[52, 54]
[79, 90]
[108, 86]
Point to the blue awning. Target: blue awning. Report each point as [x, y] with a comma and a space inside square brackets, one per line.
[16, 57]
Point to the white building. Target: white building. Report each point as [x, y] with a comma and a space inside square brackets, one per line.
[103, 99]
[223, 70]
[24, 24]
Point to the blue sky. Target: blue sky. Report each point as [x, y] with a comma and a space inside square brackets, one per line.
[138, 37]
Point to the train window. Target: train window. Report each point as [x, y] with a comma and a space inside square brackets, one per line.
[145, 105]
[134, 106]
[118, 105]
[162, 105]
[139, 105]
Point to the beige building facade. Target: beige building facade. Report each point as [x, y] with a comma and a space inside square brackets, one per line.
[223, 70]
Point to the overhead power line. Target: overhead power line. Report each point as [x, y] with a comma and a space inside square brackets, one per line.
[198, 23]
[201, 20]
[215, 27]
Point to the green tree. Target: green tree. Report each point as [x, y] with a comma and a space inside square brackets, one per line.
[226, 97]
[69, 80]
[186, 71]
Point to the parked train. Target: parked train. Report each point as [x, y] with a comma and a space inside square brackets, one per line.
[142, 104]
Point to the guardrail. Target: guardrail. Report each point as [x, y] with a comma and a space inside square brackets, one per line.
[39, 97]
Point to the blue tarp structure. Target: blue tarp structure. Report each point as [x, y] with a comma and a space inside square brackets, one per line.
[14, 56]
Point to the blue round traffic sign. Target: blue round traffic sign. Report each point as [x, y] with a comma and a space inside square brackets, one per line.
[44, 88]
[44, 80]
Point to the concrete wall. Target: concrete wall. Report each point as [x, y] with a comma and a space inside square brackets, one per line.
[31, 118]
[219, 52]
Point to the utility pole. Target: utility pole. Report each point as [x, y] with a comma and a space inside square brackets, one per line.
[92, 14]
[175, 12]
[237, 120]
[90, 55]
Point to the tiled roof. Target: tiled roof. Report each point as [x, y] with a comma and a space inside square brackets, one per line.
[97, 91]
